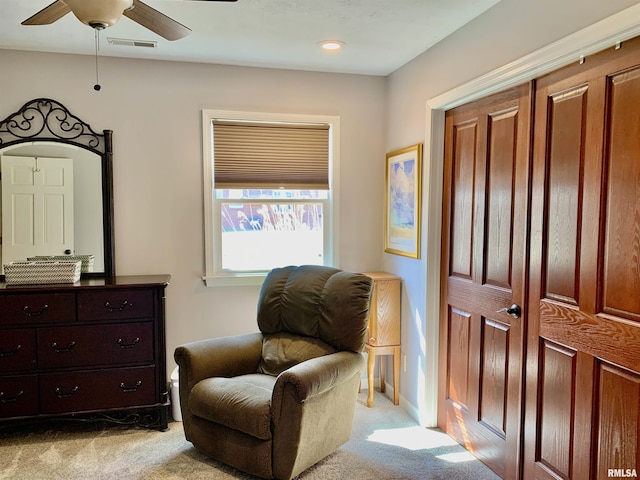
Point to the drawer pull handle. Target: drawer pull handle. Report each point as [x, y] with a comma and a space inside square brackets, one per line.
[26, 309]
[128, 345]
[68, 394]
[11, 399]
[122, 306]
[58, 349]
[10, 352]
[124, 388]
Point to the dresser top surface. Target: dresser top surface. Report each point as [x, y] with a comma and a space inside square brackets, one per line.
[131, 281]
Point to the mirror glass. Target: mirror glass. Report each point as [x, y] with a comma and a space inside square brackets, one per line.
[86, 194]
[56, 188]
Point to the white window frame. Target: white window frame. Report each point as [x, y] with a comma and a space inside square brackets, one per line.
[214, 276]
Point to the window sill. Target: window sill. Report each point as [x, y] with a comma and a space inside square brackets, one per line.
[235, 280]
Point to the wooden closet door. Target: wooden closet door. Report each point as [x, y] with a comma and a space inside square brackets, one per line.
[483, 272]
[583, 341]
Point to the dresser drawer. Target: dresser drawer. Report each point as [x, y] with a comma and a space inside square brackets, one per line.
[95, 345]
[115, 304]
[17, 350]
[97, 389]
[33, 308]
[18, 396]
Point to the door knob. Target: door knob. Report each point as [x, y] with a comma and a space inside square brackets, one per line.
[514, 310]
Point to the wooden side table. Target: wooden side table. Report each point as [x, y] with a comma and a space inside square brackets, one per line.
[383, 336]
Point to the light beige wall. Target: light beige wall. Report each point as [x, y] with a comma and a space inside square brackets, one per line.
[154, 109]
[505, 33]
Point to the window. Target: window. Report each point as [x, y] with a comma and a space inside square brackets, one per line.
[270, 193]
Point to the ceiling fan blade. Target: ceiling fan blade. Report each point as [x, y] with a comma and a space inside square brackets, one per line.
[48, 14]
[156, 21]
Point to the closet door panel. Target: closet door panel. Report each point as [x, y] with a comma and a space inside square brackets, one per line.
[585, 271]
[462, 199]
[483, 272]
[503, 130]
[621, 262]
[618, 419]
[565, 130]
[557, 380]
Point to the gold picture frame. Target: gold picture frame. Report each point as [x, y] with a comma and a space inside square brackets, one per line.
[403, 198]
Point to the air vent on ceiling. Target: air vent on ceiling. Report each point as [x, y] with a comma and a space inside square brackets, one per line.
[132, 43]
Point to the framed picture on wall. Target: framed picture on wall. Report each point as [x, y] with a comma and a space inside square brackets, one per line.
[402, 202]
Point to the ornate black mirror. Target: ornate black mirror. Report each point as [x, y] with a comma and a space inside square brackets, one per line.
[42, 146]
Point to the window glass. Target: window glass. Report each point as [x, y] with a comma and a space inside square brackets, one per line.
[264, 235]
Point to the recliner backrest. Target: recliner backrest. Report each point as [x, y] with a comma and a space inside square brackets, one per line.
[324, 303]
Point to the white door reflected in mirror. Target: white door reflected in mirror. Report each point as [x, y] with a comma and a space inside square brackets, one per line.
[37, 207]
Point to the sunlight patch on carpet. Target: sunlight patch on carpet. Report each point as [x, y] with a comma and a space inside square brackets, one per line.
[412, 438]
[457, 457]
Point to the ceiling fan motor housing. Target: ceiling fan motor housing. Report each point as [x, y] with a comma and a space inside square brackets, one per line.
[98, 14]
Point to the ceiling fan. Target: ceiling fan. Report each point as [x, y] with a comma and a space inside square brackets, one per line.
[100, 14]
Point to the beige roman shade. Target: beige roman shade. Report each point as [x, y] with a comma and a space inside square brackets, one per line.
[270, 155]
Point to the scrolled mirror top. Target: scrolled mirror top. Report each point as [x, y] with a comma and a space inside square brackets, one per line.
[48, 120]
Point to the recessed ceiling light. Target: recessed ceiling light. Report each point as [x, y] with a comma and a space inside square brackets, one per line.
[332, 44]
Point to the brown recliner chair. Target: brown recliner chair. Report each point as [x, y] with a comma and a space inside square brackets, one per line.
[276, 402]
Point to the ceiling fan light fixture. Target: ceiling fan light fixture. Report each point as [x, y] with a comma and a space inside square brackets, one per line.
[98, 14]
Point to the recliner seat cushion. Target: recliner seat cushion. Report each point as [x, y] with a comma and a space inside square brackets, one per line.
[281, 351]
[242, 403]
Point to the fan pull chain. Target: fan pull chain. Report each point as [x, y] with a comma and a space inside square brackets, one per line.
[97, 86]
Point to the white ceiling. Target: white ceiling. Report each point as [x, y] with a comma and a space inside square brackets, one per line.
[380, 35]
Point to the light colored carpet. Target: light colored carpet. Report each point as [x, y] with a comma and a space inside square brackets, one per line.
[386, 444]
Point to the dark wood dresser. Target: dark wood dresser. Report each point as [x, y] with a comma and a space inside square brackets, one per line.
[92, 350]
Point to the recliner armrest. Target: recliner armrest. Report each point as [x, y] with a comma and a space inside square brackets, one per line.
[317, 375]
[312, 409]
[218, 357]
